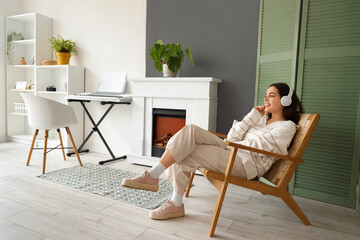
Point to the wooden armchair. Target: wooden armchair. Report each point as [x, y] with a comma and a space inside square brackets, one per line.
[279, 174]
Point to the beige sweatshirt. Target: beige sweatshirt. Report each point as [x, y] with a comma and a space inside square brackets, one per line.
[252, 131]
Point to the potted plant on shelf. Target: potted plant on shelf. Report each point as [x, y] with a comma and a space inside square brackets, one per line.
[169, 57]
[10, 46]
[63, 49]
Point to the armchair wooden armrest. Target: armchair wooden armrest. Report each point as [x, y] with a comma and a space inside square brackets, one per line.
[285, 157]
[219, 134]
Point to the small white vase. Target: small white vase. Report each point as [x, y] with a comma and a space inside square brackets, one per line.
[167, 72]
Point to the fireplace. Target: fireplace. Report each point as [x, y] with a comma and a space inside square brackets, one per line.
[166, 122]
[162, 106]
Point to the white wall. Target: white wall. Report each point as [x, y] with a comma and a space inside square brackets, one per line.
[110, 35]
[7, 7]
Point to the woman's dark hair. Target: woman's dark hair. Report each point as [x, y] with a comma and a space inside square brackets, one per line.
[293, 111]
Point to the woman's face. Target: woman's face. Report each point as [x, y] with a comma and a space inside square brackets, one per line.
[272, 100]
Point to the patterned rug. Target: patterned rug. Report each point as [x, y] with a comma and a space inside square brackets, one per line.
[106, 181]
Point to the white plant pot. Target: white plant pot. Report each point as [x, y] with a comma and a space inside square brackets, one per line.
[167, 72]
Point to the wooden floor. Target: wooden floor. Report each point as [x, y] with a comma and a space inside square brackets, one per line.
[33, 208]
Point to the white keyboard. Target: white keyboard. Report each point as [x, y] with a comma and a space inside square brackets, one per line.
[97, 97]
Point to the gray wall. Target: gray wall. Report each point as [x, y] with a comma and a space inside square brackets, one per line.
[222, 36]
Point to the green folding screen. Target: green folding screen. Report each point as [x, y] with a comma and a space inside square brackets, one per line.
[328, 79]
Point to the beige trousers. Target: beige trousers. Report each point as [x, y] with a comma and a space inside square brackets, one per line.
[193, 147]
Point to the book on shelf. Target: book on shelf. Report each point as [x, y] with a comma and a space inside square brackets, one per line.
[32, 62]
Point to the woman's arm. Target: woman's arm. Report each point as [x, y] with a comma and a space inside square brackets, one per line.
[239, 129]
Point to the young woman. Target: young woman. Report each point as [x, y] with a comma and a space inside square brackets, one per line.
[269, 127]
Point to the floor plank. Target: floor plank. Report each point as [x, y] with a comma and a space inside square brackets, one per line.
[9, 208]
[12, 231]
[54, 192]
[152, 234]
[6, 189]
[105, 223]
[55, 227]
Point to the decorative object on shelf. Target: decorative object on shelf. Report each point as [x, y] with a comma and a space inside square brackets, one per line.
[21, 85]
[49, 62]
[10, 48]
[169, 57]
[20, 108]
[51, 88]
[32, 62]
[63, 49]
[22, 61]
[31, 85]
[15, 36]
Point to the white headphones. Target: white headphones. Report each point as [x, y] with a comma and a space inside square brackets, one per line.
[286, 100]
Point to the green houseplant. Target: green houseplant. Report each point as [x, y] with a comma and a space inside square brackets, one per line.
[63, 49]
[169, 57]
[10, 45]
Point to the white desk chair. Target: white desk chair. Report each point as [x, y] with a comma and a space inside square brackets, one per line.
[47, 114]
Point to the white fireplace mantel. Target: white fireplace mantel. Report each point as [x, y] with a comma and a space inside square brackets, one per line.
[196, 95]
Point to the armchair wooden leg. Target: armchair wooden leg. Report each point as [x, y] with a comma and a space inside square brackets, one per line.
[73, 144]
[222, 191]
[189, 186]
[218, 207]
[289, 200]
[45, 149]
[32, 146]
[61, 143]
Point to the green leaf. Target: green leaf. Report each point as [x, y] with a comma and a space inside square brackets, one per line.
[154, 55]
[158, 65]
[160, 42]
[157, 46]
[188, 53]
[173, 50]
[161, 52]
[174, 64]
[167, 52]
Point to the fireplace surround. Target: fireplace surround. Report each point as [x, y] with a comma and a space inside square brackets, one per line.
[195, 97]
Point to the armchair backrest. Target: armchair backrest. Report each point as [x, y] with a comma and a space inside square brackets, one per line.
[281, 172]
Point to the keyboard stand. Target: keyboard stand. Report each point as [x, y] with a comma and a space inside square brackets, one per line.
[96, 128]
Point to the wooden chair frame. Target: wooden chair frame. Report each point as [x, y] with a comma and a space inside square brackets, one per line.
[279, 174]
[45, 146]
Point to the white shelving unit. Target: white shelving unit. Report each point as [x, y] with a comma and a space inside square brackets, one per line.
[67, 79]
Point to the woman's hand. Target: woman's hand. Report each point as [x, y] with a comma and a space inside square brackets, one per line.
[261, 109]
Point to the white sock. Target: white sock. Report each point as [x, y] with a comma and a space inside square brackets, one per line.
[157, 170]
[177, 199]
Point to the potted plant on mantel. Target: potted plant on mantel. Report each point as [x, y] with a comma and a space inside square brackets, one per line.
[63, 49]
[169, 57]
